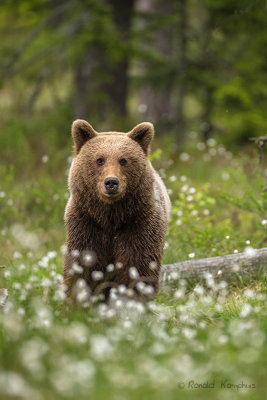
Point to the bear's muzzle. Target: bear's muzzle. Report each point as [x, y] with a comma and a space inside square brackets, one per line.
[111, 185]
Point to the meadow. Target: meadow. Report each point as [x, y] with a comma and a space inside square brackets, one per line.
[202, 339]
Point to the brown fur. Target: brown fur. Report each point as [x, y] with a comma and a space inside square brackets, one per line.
[126, 229]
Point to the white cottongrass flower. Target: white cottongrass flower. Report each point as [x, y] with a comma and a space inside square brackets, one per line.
[199, 290]
[97, 275]
[249, 294]
[249, 251]
[152, 265]
[184, 188]
[101, 348]
[17, 255]
[246, 310]
[45, 158]
[211, 142]
[212, 152]
[133, 273]
[51, 254]
[140, 286]
[110, 267]
[75, 253]
[76, 268]
[179, 293]
[174, 275]
[189, 333]
[148, 290]
[201, 146]
[184, 157]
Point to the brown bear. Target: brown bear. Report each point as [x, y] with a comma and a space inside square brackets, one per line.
[117, 214]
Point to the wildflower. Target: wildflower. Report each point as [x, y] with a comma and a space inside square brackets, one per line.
[44, 158]
[133, 273]
[184, 188]
[246, 310]
[142, 108]
[249, 294]
[189, 333]
[249, 251]
[152, 265]
[184, 157]
[110, 267]
[199, 290]
[101, 347]
[75, 253]
[212, 152]
[97, 275]
[211, 142]
[76, 269]
[201, 146]
[17, 255]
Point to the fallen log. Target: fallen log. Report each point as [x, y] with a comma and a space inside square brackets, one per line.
[249, 264]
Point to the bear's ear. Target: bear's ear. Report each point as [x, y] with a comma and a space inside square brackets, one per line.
[81, 132]
[143, 134]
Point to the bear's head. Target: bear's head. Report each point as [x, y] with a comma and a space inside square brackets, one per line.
[109, 165]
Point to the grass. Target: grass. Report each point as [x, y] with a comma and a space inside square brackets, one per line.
[195, 334]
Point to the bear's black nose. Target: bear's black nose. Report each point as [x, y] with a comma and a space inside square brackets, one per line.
[111, 184]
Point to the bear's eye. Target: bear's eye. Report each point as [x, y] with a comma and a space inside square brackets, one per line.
[100, 161]
[123, 161]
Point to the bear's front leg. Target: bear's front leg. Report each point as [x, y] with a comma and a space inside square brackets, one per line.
[138, 258]
[87, 257]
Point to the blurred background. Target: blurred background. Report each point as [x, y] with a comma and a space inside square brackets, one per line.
[195, 68]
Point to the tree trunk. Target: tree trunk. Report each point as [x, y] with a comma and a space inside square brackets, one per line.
[156, 101]
[206, 126]
[88, 84]
[122, 14]
[182, 69]
[101, 84]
